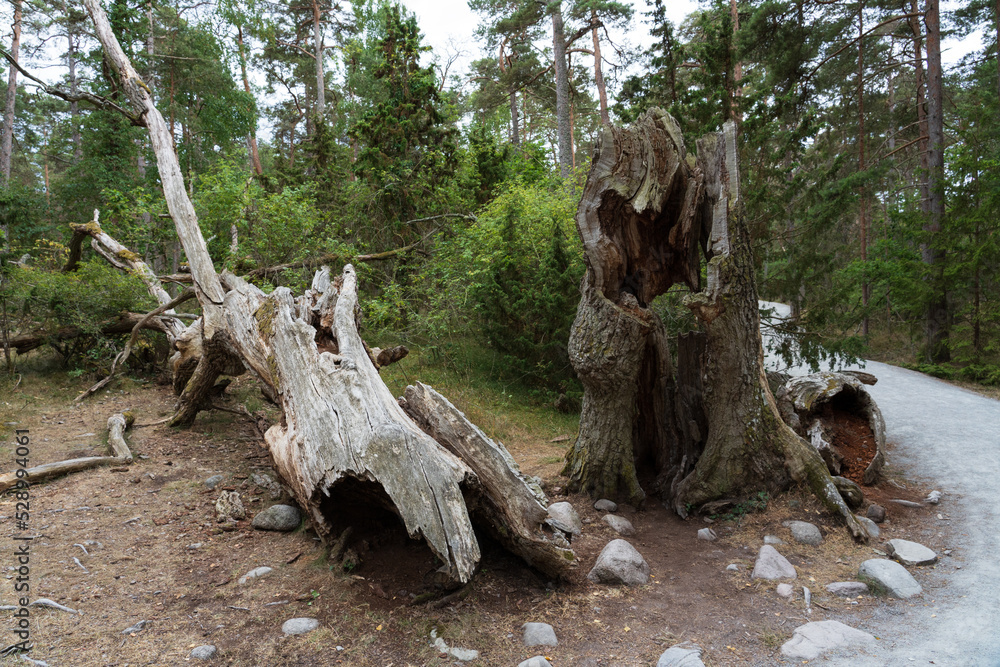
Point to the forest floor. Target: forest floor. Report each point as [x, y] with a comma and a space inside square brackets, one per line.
[137, 523]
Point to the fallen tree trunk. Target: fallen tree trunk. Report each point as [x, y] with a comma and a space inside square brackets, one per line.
[124, 324]
[117, 424]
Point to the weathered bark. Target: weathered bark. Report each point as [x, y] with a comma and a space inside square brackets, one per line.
[749, 448]
[802, 402]
[117, 424]
[24, 343]
[602, 93]
[318, 55]
[640, 230]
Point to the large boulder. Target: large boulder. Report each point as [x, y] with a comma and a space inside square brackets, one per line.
[911, 553]
[811, 640]
[891, 576]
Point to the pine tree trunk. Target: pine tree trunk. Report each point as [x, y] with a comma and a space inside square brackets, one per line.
[254, 154]
[602, 92]
[7, 139]
[932, 253]
[318, 53]
[564, 134]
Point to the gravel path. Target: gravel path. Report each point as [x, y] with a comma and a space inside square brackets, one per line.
[948, 437]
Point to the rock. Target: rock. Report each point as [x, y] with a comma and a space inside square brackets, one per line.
[804, 532]
[213, 481]
[773, 539]
[620, 563]
[206, 652]
[876, 513]
[732, 567]
[685, 654]
[278, 517]
[605, 505]
[891, 576]
[256, 573]
[138, 627]
[811, 640]
[299, 626]
[870, 526]
[707, 534]
[196, 545]
[934, 497]
[772, 565]
[848, 589]
[229, 506]
[785, 591]
[537, 661]
[850, 492]
[564, 517]
[619, 524]
[539, 634]
[911, 553]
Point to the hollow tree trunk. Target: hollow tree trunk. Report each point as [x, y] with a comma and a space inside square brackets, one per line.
[640, 229]
[342, 431]
[749, 448]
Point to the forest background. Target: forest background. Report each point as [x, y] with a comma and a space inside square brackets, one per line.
[871, 173]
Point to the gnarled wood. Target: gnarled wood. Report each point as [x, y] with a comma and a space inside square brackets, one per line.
[117, 424]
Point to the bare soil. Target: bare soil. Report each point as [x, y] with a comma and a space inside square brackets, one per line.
[146, 518]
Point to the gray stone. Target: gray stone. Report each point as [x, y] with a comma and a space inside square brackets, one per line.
[255, 573]
[870, 526]
[299, 626]
[278, 517]
[848, 589]
[876, 513]
[620, 563]
[773, 539]
[537, 661]
[811, 640]
[138, 627]
[733, 567]
[539, 634]
[564, 517]
[685, 654]
[605, 505]
[206, 652]
[772, 565]
[196, 545]
[785, 591]
[229, 506]
[890, 575]
[911, 553]
[619, 524]
[213, 481]
[707, 534]
[804, 532]
[934, 497]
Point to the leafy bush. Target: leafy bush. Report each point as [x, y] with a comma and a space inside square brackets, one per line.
[512, 277]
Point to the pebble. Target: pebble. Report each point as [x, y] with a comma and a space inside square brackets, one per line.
[733, 567]
[537, 661]
[773, 540]
[785, 591]
[206, 652]
[138, 627]
[299, 626]
[848, 589]
[256, 573]
[605, 505]
[539, 634]
[934, 497]
[707, 534]
[213, 481]
[685, 654]
[876, 513]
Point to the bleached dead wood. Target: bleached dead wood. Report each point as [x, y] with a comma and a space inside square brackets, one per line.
[117, 424]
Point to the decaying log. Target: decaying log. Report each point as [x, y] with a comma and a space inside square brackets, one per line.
[117, 424]
[509, 507]
[123, 324]
[804, 401]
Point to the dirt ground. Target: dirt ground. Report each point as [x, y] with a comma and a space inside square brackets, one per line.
[117, 545]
